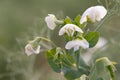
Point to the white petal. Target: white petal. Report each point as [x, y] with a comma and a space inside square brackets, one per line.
[50, 20]
[62, 31]
[81, 43]
[76, 44]
[76, 48]
[95, 13]
[70, 29]
[85, 14]
[101, 11]
[92, 15]
[70, 45]
[84, 44]
[78, 29]
[37, 50]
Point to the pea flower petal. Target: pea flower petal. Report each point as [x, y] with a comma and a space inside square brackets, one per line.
[50, 20]
[76, 44]
[70, 29]
[29, 50]
[95, 13]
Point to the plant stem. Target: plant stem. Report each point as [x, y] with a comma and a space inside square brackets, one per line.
[101, 23]
[78, 57]
[48, 40]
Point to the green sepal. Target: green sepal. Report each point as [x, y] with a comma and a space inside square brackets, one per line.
[77, 20]
[68, 20]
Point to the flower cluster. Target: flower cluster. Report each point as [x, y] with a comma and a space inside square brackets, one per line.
[69, 61]
[92, 14]
[74, 32]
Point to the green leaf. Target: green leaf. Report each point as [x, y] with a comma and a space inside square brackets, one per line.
[92, 38]
[102, 70]
[76, 70]
[65, 63]
[68, 20]
[99, 72]
[73, 73]
[77, 22]
[53, 60]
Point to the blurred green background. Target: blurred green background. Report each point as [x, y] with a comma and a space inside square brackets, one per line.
[22, 20]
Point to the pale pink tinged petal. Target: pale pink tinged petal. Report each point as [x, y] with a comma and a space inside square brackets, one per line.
[69, 45]
[50, 20]
[37, 50]
[28, 49]
[62, 31]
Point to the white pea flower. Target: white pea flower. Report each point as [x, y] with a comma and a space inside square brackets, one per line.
[76, 44]
[70, 29]
[95, 13]
[50, 20]
[30, 50]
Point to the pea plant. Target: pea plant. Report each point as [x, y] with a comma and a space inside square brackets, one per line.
[68, 60]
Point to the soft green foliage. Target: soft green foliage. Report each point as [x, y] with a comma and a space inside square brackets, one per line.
[92, 38]
[77, 22]
[103, 70]
[64, 63]
[70, 63]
